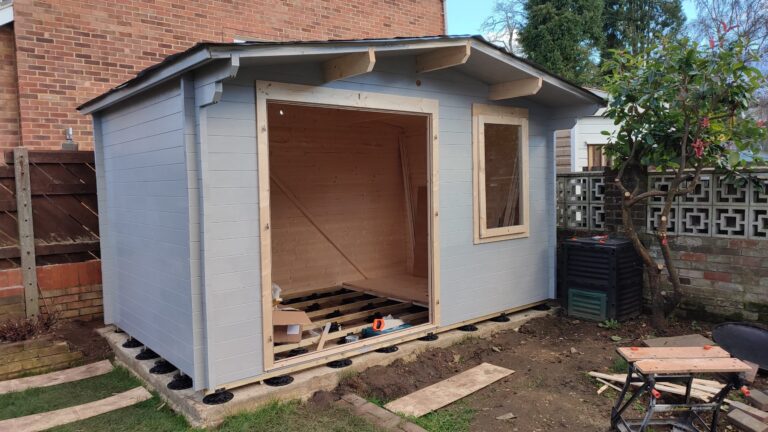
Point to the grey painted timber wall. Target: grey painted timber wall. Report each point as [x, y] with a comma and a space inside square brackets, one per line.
[476, 280]
[178, 193]
[146, 250]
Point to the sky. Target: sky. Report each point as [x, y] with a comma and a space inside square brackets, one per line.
[466, 16]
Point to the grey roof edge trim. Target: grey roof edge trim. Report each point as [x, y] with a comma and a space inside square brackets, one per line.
[148, 78]
[201, 53]
[534, 69]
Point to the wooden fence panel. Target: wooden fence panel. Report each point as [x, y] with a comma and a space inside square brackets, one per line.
[65, 214]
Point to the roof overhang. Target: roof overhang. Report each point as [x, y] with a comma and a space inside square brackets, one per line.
[6, 13]
[508, 76]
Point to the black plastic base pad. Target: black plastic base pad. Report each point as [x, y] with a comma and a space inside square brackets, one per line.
[279, 381]
[132, 343]
[542, 307]
[162, 367]
[468, 328]
[338, 364]
[430, 337]
[335, 314]
[387, 350]
[180, 382]
[500, 318]
[147, 354]
[218, 398]
[297, 351]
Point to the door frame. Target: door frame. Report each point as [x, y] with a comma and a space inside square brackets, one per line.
[270, 91]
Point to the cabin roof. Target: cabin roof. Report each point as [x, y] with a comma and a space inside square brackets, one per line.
[486, 62]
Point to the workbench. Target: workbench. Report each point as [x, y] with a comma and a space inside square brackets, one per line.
[648, 366]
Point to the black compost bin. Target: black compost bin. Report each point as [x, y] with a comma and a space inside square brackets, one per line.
[602, 278]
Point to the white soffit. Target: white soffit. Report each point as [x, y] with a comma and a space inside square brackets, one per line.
[6, 13]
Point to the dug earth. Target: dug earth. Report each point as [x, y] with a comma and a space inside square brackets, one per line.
[549, 390]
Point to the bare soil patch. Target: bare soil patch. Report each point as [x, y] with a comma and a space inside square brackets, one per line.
[549, 390]
[83, 337]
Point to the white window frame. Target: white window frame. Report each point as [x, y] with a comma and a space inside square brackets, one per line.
[482, 114]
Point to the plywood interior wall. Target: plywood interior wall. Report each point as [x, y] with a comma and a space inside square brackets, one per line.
[338, 204]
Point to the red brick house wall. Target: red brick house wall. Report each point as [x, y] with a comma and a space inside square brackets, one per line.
[9, 99]
[68, 51]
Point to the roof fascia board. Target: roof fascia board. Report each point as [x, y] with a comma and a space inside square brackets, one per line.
[534, 72]
[158, 77]
[330, 48]
[6, 14]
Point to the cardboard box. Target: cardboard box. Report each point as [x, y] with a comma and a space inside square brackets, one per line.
[288, 325]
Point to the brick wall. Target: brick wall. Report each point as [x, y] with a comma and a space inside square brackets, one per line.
[9, 101]
[723, 279]
[69, 51]
[36, 356]
[73, 290]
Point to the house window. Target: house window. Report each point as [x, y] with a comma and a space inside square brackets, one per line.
[596, 158]
[500, 148]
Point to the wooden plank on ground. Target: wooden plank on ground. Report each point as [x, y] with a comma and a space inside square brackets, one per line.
[448, 391]
[641, 353]
[55, 378]
[675, 366]
[746, 422]
[47, 420]
[691, 340]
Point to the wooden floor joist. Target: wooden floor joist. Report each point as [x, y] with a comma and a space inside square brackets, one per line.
[47, 420]
[323, 301]
[345, 331]
[55, 378]
[384, 310]
[354, 306]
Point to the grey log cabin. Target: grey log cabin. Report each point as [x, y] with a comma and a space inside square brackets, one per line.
[263, 203]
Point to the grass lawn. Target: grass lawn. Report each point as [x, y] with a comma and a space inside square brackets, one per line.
[154, 416]
[44, 399]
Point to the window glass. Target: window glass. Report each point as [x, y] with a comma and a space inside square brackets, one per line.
[502, 175]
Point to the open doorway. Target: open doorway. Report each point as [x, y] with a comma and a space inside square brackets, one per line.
[350, 229]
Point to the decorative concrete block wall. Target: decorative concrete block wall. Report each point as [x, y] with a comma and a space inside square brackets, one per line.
[718, 236]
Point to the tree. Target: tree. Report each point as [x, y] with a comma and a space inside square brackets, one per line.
[745, 19]
[680, 108]
[564, 36]
[504, 24]
[633, 25]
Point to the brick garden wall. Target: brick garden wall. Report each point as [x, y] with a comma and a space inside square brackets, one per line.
[36, 356]
[73, 290]
[721, 277]
[69, 51]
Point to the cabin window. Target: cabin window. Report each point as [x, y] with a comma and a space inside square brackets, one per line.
[501, 173]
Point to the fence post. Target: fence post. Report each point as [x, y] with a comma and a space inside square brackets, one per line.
[26, 231]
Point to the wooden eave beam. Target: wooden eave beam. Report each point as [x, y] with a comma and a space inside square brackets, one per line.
[349, 65]
[515, 89]
[442, 58]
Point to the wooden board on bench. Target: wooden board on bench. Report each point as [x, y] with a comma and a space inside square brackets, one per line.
[691, 365]
[634, 354]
